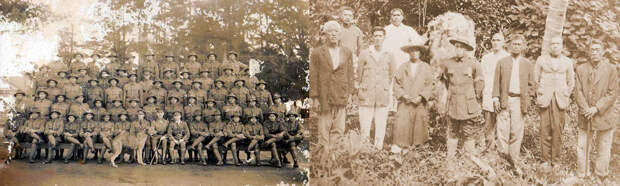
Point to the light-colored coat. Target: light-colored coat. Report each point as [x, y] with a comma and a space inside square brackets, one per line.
[554, 81]
[375, 77]
[597, 88]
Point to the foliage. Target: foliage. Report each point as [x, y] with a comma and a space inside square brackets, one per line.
[23, 12]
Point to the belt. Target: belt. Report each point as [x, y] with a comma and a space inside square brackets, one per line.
[510, 94]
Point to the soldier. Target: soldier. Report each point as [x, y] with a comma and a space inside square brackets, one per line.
[99, 110]
[178, 133]
[133, 90]
[95, 65]
[52, 89]
[93, 92]
[70, 134]
[116, 110]
[228, 78]
[205, 80]
[159, 92]
[234, 132]
[173, 106]
[199, 131]
[114, 63]
[198, 92]
[186, 79]
[232, 59]
[293, 136]
[41, 77]
[158, 132]
[131, 65]
[34, 128]
[464, 82]
[263, 97]
[42, 104]
[274, 133]
[83, 77]
[208, 111]
[22, 105]
[73, 89]
[113, 93]
[62, 79]
[58, 66]
[218, 93]
[168, 78]
[121, 137]
[149, 65]
[254, 132]
[253, 110]
[250, 80]
[193, 65]
[105, 129]
[104, 79]
[211, 65]
[278, 107]
[150, 109]
[78, 107]
[231, 108]
[122, 77]
[147, 81]
[191, 108]
[53, 130]
[216, 129]
[138, 130]
[241, 91]
[61, 106]
[169, 64]
[77, 63]
[88, 132]
[177, 91]
[133, 109]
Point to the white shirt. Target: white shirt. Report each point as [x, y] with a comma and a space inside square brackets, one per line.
[413, 68]
[375, 53]
[399, 36]
[335, 55]
[514, 76]
[489, 63]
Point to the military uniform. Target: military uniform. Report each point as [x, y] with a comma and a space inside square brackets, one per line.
[40, 78]
[113, 93]
[53, 91]
[253, 111]
[122, 80]
[199, 94]
[250, 81]
[132, 111]
[263, 98]
[42, 106]
[58, 66]
[72, 90]
[173, 107]
[99, 112]
[206, 82]
[193, 67]
[78, 108]
[219, 95]
[160, 93]
[159, 128]
[280, 109]
[191, 109]
[105, 130]
[93, 93]
[149, 65]
[53, 130]
[242, 93]
[178, 93]
[60, 107]
[166, 66]
[133, 91]
[178, 132]
[88, 132]
[147, 84]
[115, 111]
[231, 109]
[211, 66]
[208, 112]
[255, 134]
[70, 134]
[150, 110]
[33, 129]
[274, 134]
[76, 65]
[83, 79]
[112, 67]
[228, 80]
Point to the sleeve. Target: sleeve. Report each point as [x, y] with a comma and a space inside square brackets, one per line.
[497, 80]
[361, 63]
[478, 79]
[186, 137]
[427, 91]
[570, 77]
[314, 75]
[609, 97]
[580, 98]
[399, 90]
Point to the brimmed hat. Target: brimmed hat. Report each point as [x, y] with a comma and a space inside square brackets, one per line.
[168, 70]
[71, 114]
[231, 95]
[110, 80]
[192, 54]
[95, 80]
[34, 112]
[157, 81]
[196, 81]
[410, 48]
[211, 100]
[192, 97]
[48, 81]
[44, 91]
[71, 76]
[117, 100]
[261, 82]
[242, 80]
[175, 113]
[54, 111]
[465, 42]
[173, 97]
[149, 97]
[212, 54]
[133, 100]
[252, 116]
[292, 113]
[62, 71]
[62, 95]
[220, 80]
[177, 81]
[276, 96]
[19, 92]
[216, 113]
[81, 95]
[232, 52]
[132, 74]
[124, 113]
[89, 113]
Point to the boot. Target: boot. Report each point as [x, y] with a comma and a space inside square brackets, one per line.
[235, 156]
[216, 152]
[182, 157]
[50, 153]
[85, 154]
[33, 153]
[256, 157]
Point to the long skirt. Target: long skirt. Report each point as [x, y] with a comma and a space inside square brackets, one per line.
[411, 126]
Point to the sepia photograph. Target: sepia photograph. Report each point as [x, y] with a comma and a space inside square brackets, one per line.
[154, 92]
[464, 92]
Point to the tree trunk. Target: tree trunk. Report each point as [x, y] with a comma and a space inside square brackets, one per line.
[555, 22]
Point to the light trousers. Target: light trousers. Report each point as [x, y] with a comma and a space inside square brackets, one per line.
[510, 128]
[603, 146]
[331, 124]
[379, 115]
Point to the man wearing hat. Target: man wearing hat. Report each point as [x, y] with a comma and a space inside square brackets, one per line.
[241, 91]
[53, 130]
[88, 132]
[177, 90]
[22, 104]
[58, 66]
[70, 132]
[113, 65]
[62, 79]
[73, 89]
[178, 133]
[113, 92]
[263, 96]
[209, 109]
[464, 81]
[104, 79]
[205, 80]
[211, 65]
[105, 130]
[52, 89]
[133, 90]
[41, 104]
[278, 106]
[252, 110]
[174, 105]
[228, 77]
[116, 109]
[250, 80]
[331, 82]
[122, 77]
[191, 107]
[41, 77]
[232, 59]
[78, 107]
[139, 128]
[158, 132]
[147, 80]
[169, 64]
[199, 131]
[193, 65]
[186, 78]
[375, 71]
[274, 133]
[83, 77]
[151, 107]
[34, 128]
[122, 131]
[231, 108]
[159, 92]
[95, 65]
[412, 91]
[216, 129]
[98, 109]
[168, 78]
[77, 63]
[149, 65]
[254, 132]
[234, 132]
[61, 105]
[198, 92]
[93, 92]
[218, 93]
[294, 134]
[133, 107]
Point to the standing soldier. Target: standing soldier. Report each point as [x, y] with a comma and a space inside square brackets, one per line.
[198, 92]
[58, 66]
[113, 93]
[278, 106]
[158, 132]
[149, 65]
[104, 79]
[252, 110]
[186, 79]
[173, 106]
[513, 78]
[151, 108]
[138, 131]
[274, 133]
[88, 132]
[241, 91]
[294, 135]
[555, 80]
[34, 128]
[83, 77]
[62, 79]
[42, 104]
[116, 110]
[159, 92]
[263, 97]
[177, 91]
[200, 132]
[114, 63]
[78, 107]
[211, 65]
[250, 80]
[218, 93]
[208, 111]
[70, 133]
[465, 83]
[234, 132]
[168, 78]
[22, 104]
[99, 110]
[133, 109]
[52, 89]
[228, 78]
[121, 76]
[147, 81]
[105, 129]
[193, 65]
[169, 64]
[231, 108]
[205, 80]
[93, 92]
[73, 89]
[61, 106]
[216, 129]
[191, 107]
[254, 132]
[488, 63]
[77, 63]
[237, 66]
[95, 65]
[596, 93]
[133, 90]
[41, 77]
[178, 133]
[53, 130]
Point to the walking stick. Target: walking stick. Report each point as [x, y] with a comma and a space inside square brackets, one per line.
[156, 151]
[588, 138]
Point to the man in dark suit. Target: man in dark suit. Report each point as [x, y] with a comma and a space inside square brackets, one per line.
[331, 83]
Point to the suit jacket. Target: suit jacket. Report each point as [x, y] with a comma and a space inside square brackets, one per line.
[374, 77]
[465, 83]
[501, 84]
[413, 85]
[597, 87]
[331, 86]
[554, 81]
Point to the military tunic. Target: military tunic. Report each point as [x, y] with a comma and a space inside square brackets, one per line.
[150, 111]
[208, 112]
[233, 128]
[73, 90]
[263, 100]
[160, 126]
[114, 112]
[280, 109]
[112, 67]
[133, 90]
[207, 83]
[219, 95]
[112, 94]
[197, 129]
[171, 108]
[61, 107]
[89, 126]
[150, 66]
[178, 130]
[42, 106]
[194, 68]
[78, 109]
[76, 65]
[94, 93]
[253, 111]
[272, 128]
[230, 110]
[465, 84]
[54, 127]
[53, 92]
[160, 93]
[83, 81]
[256, 129]
[212, 67]
[191, 109]
[99, 112]
[72, 128]
[179, 93]
[132, 112]
[200, 94]
[242, 94]
[174, 66]
[228, 80]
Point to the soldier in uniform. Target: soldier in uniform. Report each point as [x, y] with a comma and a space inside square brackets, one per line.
[73, 89]
[77, 63]
[52, 89]
[133, 109]
[168, 78]
[138, 130]
[198, 92]
[53, 129]
[41, 77]
[158, 133]
[121, 139]
[241, 91]
[191, 108]
[121, 76]
[58, 66]
[199, 131]
[149, 65]
[232, 59]
[116, 110]
[147, 81]
[208, 111]
[104, 79]
[133, 90]
[234, 132]
[42, 104]
[34, 128]
[88, 132]
[274, 133]
[22, 105]
[62, 79]
[263, 97]
[105, 129]
[250, 81]
[205, 80]
[186, 79]
[177, 91]
[253, 110]
[150, 109]
[211, 65]
[178, 133]
[78, 107]
[231, 108]
[159, 92]
[465, 84]
[95, 65]
[169, 64]
[278, 106]
[93, 92]
[83, 77]
[254, 132]
[228, 78]
[61, 105]
[193, 65]
[216, 129]
[114, 63]
[113, 93]
[70, 134]
[294, 135]
[218, 93]
[99, 110]
[173, 106]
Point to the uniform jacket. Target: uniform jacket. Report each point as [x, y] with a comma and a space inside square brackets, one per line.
[178, 130]
[331, 87]
[73, 90]
[55, 127]
[234, 128]
[251, 130]
[375, 78]
[160, 126]
[554, 81]
[198, 128]
[501, 84]
[597, 87]
[465, 83]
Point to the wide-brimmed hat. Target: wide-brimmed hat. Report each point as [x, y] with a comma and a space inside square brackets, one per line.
[212, 54]
[233, 52]
[410, 48]
[465, 42]
[19, 92]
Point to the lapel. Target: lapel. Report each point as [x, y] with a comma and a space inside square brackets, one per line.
[598, 75]
[341, 59]
[327, 57]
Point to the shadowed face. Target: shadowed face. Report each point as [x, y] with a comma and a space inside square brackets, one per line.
[272, 117]
[497, 41]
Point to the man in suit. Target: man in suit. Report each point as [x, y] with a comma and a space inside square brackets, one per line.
[513, 78]
[331, 82]
[595, 94]
[555, 80]
[488, 63]
[376, 68]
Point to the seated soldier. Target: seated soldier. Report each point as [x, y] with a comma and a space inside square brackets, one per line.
[159, 92]
[219, 94]
[200, 132]
[293, 135]
[274, 133]
[197, 91]
[177, 91]
[93, 92]
[234, 133]
[241, 91]
[105, 129]
[121, 136]
[88, 133]
[253, 110]
[158, 132]
[53, 131]
[178, 133]
[254, 132]
[61, 106]
[191, 107]
[205, 81]
[132, 109]
[99, 110]
[34, 129]
[186, 79]
[70, 133]
[216, 129]
[231, 108]
[78, 107]
[113, 92]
